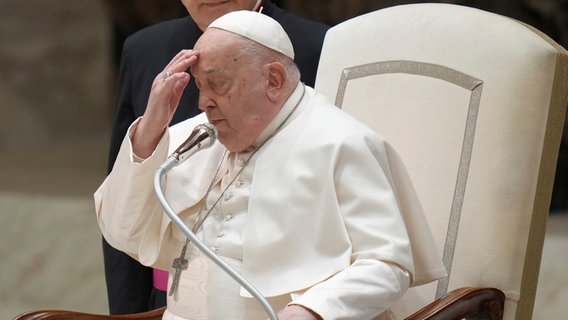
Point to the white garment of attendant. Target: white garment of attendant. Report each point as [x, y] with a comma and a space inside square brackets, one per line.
[322, 227]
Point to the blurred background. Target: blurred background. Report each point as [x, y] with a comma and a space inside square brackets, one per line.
[58, 64]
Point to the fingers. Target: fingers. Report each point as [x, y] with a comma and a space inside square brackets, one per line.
[170, 83]
[180, 55]
[182, 79]
[174, 78]
[163, 101]
[180, 63]
[165, 95]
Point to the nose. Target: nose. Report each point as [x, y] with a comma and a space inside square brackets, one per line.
[204, 102]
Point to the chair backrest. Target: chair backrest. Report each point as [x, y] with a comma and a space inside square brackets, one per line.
[474, 102]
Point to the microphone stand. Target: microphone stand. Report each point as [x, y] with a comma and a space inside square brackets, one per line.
[162, 170]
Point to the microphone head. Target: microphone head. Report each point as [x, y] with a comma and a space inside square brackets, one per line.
[209, 130]
[203, 136]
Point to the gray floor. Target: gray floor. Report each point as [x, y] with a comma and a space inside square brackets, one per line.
[50, 247]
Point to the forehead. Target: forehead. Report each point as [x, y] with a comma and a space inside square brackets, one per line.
[213, 37]
[218, 51]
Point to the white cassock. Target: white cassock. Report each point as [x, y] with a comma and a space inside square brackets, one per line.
[323, 216]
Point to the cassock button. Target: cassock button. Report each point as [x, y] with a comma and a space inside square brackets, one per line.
[215, 249]
[228, 196]
[239, 183]
[220, 235]
[228, 217]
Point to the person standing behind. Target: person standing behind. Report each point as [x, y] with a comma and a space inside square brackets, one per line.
[130, 286]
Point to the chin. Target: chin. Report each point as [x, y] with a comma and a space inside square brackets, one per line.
[226, 142]
[232, 145]
[219, 9]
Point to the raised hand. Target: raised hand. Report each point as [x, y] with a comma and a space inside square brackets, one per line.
[163, 101]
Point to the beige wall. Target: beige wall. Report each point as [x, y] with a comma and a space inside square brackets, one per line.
[54, 72]
[55, 115]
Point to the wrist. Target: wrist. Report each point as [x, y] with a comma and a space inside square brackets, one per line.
[144, 140]
[296, 311]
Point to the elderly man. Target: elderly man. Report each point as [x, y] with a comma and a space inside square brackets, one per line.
[144, 55]
[297, 196]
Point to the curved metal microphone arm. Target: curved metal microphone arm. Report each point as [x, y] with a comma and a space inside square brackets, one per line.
[162, 170]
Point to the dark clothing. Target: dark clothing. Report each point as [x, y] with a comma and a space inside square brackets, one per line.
[144, 55]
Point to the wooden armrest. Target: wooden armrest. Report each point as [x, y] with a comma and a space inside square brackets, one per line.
[68, 315]
[468, 303]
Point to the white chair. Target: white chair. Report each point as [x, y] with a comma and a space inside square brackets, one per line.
[474, 102]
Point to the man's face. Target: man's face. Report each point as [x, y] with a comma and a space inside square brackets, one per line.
[204, 12]
[232, 90]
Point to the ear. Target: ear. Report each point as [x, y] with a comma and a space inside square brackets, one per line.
[276, 80]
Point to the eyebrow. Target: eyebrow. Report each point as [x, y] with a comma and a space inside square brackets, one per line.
[206, 72]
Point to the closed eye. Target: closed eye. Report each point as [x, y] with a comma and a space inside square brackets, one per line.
[219, 86]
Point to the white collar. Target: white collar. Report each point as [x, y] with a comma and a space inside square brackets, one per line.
[282, 115]
[257, 6]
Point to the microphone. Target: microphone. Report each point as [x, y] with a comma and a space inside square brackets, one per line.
[202, 137]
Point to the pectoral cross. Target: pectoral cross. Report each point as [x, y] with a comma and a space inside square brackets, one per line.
[180, 264]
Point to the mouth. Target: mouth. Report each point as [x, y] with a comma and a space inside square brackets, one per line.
[215, 122]
[215, 3]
